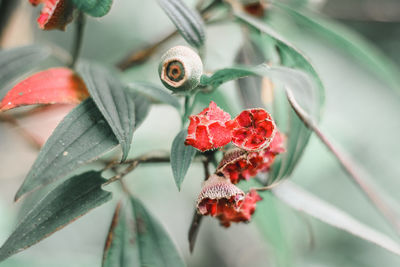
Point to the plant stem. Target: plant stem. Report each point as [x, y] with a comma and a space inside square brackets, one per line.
[348, 165]
[77, 46]
[197, 218]
[186, 110]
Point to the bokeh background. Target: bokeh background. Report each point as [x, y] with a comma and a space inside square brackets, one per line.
[361, 114]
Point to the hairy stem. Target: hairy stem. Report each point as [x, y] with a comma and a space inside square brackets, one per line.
[77, 46]
[348, 165]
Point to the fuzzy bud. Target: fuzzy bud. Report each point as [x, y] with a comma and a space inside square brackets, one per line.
[180, 69]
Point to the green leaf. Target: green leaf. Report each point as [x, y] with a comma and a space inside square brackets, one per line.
[113, 102]
[351, 42]
[189, 23]
[15, 62]
[225, 75]
[142, 108]
[154, 246]
[181, 157]
[120, 249]
[303, 201]
[155, 93]
[95, 8]
[63, 205]
[82, 136]
[289, 55]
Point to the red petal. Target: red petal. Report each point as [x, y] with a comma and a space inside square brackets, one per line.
[56, 85]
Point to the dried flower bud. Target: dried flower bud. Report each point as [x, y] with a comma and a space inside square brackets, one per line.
[180, 69]
[253, 129]
[217, 192]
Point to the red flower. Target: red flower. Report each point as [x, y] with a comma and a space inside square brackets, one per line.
[56, 14]
[221, 199]
[208, 129]
[253, 129]
[228, 214]
[238, 164]
[218, 191]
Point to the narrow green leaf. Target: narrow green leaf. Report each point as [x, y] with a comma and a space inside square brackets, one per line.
[15, 62]
[63, 205]
[113, 102]
[82, 136]
[181, 157]
[303, 201]
[189, 23]
[351, 42]
[290, 56]
[142, 108]
[155, 93]
[225, 75]
[120, 249]
[95, 8]
[153, 243]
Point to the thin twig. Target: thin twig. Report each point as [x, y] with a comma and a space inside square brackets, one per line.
[121, 175]
[197, 217]
[34, 141]
[139, 56]
[77, 46]
[151, 157]
[348, 165]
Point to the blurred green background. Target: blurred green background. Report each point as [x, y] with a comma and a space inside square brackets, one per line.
[361, 114]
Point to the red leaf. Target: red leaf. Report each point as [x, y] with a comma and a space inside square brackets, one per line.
[56, 85]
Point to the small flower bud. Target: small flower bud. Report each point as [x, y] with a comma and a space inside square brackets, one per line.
[180, 69]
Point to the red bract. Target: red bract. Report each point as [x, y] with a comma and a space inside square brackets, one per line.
[253, 129]
[227, 214]
[56, 85]
[238, 164]
[218, 192]
[208, 129]
[55, 14]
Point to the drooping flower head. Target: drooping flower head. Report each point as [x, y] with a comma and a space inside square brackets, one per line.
[208, 129]
[218, 192]
[55, 14]
[252, 129]
[238, 164]
[221, 199]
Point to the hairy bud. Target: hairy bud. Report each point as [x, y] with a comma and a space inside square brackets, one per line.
[180, 69]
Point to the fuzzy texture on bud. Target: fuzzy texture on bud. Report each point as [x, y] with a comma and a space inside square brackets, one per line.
[180, 69]
[217, 191]
[208, 129]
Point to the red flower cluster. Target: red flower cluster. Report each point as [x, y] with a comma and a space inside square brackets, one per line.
[221, 199]
[258, 142]
[251, 130]
[55, 14]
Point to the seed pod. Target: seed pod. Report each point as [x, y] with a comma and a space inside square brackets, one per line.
[180, 69]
